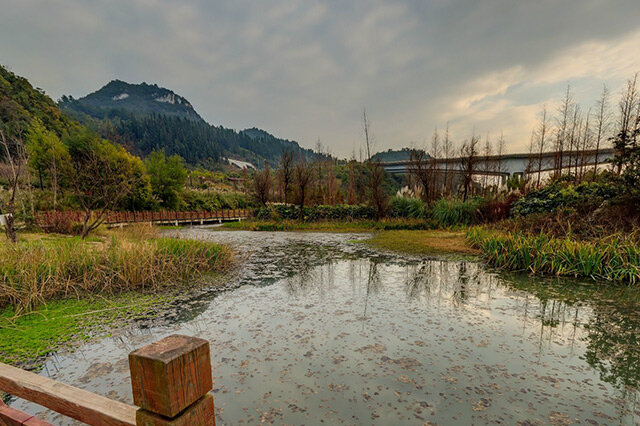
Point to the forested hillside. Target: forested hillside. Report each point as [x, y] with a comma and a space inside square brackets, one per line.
[20, 102]
[146, 117]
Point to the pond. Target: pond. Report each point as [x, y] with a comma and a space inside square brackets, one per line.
[319, 329]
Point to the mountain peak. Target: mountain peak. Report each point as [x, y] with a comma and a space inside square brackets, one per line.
[137, 99]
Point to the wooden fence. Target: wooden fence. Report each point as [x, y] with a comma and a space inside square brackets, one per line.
[170, 381]
[51, 219]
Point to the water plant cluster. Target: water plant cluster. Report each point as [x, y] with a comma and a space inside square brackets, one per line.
[613, 259]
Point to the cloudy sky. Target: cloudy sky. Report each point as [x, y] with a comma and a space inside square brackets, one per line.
[305, 70]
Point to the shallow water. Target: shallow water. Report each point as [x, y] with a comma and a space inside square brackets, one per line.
[322, 330]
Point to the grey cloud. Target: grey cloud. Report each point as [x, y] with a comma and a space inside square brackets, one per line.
[305, 70]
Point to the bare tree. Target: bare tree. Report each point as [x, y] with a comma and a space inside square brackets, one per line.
[447, 151]
[421, 171]
[435, 155]
[286, 172]
[566, 109]
[14, 153]
[376, 182]
[486, 153]
[541, 142]
[352, 185]
[262, 184]
[625, 138]
[602, 124]
[585, 144]
[468, 162]
[376, 171]
[303, 174]
[500, 145]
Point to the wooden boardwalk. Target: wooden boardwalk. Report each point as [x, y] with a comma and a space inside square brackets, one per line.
[163, 217]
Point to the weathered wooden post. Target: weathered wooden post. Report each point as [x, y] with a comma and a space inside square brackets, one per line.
[171, 380]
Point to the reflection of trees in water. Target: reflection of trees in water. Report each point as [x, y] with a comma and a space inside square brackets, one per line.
[373, 283]
[435, 280]
[613, 346]
[608, 314]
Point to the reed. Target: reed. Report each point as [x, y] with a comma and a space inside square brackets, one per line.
[36, 271]
[613, 259]
[455, 212]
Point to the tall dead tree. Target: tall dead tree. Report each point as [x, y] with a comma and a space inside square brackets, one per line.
[447, 152]
[468, 162]
[500, 146]
[435, 155]
[486, 152]
[421, 171]
[375, 171]
[565, 110]
[261, 184]
[541, 142]
[626, 138]
[286, 173]
[601, 126]
[303, 175]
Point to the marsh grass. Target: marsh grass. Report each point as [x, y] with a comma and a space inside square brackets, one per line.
[35, 271]
[611, 259]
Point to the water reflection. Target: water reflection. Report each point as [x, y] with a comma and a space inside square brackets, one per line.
[328, 331]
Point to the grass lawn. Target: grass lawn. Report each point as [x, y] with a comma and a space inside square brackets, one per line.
[423, 242]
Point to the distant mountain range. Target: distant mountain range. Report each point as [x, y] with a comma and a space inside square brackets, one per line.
[145, 117]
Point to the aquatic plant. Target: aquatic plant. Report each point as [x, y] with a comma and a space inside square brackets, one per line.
[613, 259]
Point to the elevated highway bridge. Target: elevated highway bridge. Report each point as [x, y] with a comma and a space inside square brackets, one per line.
[510, 165]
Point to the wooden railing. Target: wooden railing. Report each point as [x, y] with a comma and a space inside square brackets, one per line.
[170, 380]
[49, 219]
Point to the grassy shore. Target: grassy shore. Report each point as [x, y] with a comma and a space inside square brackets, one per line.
[611, 259]
[423, 242]
[55, 289]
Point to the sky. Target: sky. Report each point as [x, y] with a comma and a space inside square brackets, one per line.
[305, 70]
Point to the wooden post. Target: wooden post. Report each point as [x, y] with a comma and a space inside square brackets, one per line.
[171, 380]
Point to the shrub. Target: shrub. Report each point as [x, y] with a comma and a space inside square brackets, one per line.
[456, 212]
[412, 208]
[315, 213]
[586, 197]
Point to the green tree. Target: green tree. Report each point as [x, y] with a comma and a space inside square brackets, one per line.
[168, 177]
[48, 156]
[100, 176]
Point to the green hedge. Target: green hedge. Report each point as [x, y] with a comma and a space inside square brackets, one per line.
[313, 213]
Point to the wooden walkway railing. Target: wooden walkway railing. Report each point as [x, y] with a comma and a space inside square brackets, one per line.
[170, 380]
[50, 218]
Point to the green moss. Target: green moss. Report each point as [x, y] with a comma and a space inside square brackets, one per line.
[26, 339]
